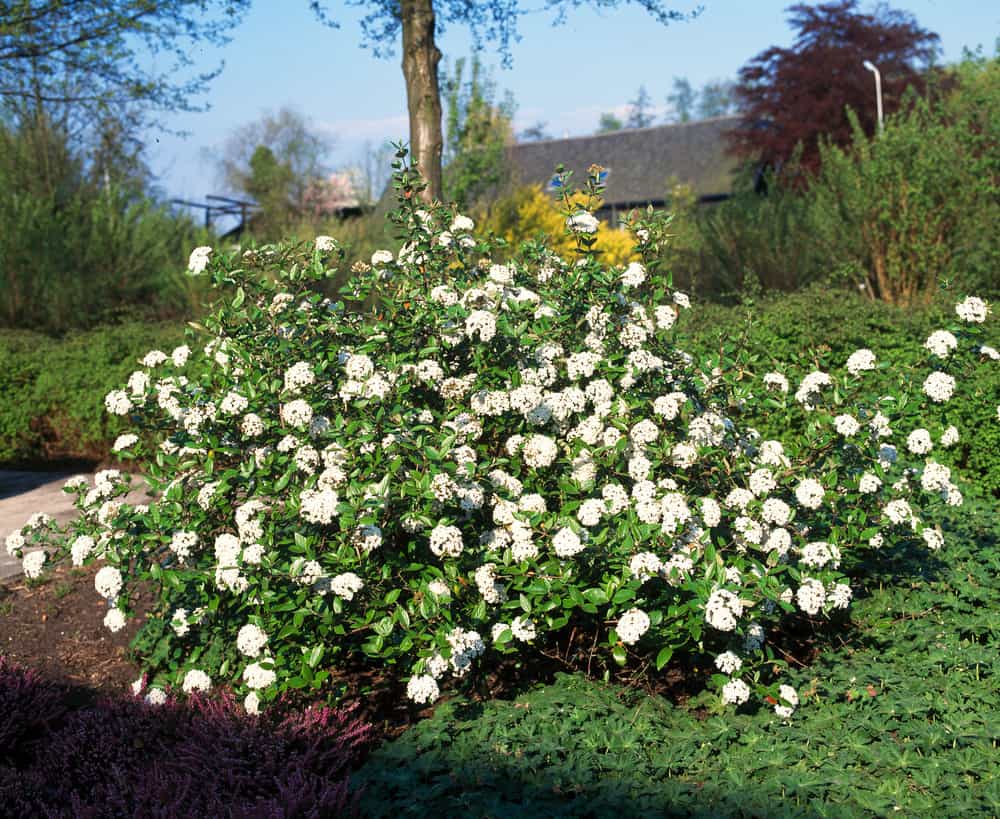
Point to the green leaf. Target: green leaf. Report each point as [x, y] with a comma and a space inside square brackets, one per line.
[663, 657]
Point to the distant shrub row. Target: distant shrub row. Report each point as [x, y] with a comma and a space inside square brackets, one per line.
[52, 390]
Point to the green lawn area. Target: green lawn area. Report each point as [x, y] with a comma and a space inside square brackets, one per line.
[900, 720]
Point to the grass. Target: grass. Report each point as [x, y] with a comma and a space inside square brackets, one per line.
[898, 720]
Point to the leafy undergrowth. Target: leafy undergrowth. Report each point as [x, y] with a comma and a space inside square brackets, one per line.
[899, 720]
[63, 755]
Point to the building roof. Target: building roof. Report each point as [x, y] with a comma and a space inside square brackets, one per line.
[640, 161]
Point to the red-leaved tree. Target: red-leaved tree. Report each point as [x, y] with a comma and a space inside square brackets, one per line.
[801, 94]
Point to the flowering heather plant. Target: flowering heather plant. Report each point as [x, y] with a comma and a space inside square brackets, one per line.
[461, 458]
[201, 757]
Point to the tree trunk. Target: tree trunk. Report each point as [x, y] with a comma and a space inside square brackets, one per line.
[423, 98]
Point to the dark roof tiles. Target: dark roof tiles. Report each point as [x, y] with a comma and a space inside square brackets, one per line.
[640, 161]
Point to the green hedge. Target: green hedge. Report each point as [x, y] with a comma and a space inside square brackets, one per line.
[52, 391]
[820, 328]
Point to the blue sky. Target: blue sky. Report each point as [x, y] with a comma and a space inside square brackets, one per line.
[567, 75]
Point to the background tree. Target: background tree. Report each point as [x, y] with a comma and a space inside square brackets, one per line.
[681, 100]
[800, 94]
[277, 161]
[77, 60]
[609, 123]
[418, 22]
[478, 131]
[639, 115]
[716, 99]
[535, 133]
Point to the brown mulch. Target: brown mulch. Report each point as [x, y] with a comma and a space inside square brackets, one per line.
[56, 626]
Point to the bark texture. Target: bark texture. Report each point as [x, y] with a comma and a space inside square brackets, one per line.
[420, 70]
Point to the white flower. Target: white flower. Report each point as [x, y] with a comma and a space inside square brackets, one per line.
[776, 381]
[949, 437]
[941, 343]
[108, 582]
[539, 451]
[15, 543]
[346, 585]
[422, 689]
[632, 625]
[523, 630]
[869, 484]
[728, 662]
[723, 609]
[482, 322]
[446, 541]
[809, 493]
[252, 703]
[919, 442]
[251, 640]
[81, 549]
[233, 404]
[181, 544]
[196, 680]
[156, 696]
[811, 596]
[117, 402]
[860, 360]
[590, 512]
[297, 413]
[153, 358]
[462, 223]
[633, 275]
[180, 355]
[32, 564]
[114, 620]
[566, 543]
[682, 300]
[973, 310]
[846, 425]
[933, 538]
[326, 244]
[735, 692]
[257, 677]
[788, 695]
[318, 505]
[198, 260]
[939, 386]
[124, 442]
[582, 222]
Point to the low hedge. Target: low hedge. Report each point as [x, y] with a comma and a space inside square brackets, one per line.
[819, 328]
[52, 390]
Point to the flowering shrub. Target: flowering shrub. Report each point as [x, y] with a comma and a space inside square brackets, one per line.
[528, 211]
[487, 456]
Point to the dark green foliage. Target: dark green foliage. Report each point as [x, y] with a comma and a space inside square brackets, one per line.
[52, 391]
[74, 251]
[820, 328]
[900, 720]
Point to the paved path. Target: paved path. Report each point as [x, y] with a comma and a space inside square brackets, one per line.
[24, 493]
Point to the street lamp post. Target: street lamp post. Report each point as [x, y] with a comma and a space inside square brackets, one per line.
[878, 90]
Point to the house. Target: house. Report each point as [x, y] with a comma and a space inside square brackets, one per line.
[641, 164]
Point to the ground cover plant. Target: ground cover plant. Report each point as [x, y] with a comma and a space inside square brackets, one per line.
[65, 756]
[898, 719]
[463, 467]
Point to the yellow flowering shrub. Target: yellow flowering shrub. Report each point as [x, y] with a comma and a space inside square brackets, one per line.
[528, 212]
